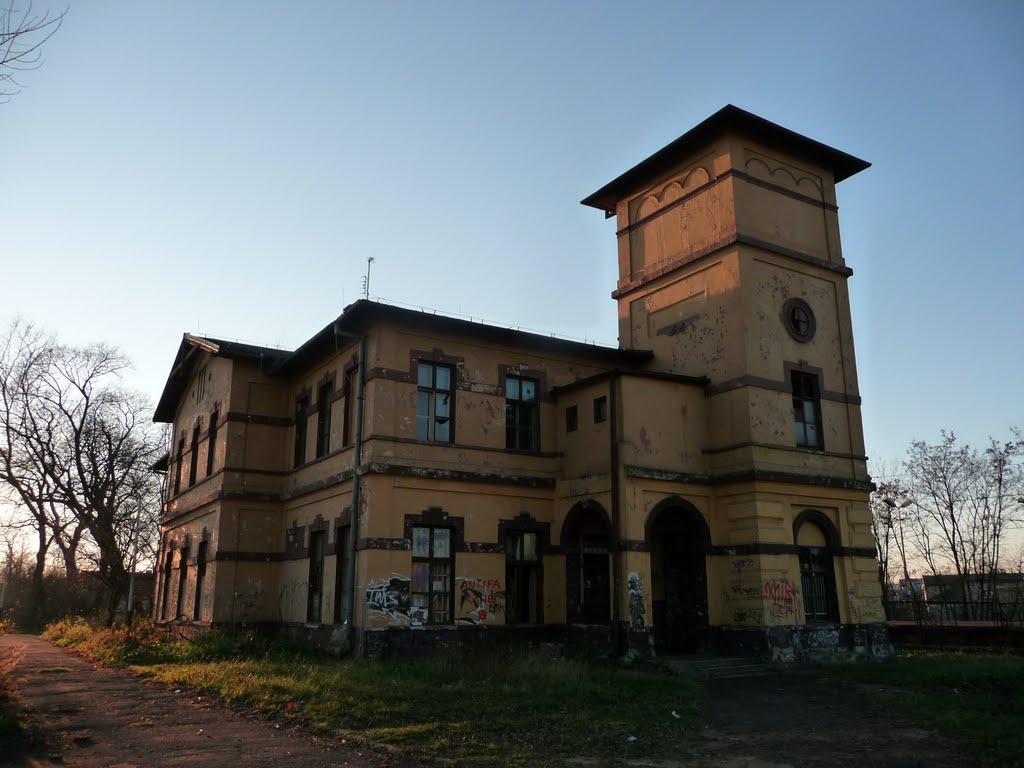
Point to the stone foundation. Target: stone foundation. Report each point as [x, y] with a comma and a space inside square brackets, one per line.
[786, 645]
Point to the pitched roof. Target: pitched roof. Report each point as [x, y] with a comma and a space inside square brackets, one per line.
[729, 119]
[358, 318]
[185, 361]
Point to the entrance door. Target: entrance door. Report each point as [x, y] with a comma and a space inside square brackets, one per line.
[596, 583]
[681, 597]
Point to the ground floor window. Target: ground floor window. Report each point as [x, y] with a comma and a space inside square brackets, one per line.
[431, 594]
[314, 603]
[817, 580]
[166, 597]
[197, 607]
[523, 597]
[182, 582]
[343, 590]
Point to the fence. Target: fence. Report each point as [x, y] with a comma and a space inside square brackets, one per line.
[956, 613]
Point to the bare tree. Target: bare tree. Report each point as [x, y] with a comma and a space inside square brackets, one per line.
[964, 502]
[77, 452]
[23, 32]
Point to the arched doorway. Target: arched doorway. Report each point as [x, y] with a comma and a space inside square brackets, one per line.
[680, 543]
[586, 542]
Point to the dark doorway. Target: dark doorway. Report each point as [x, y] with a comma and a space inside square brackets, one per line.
[588, 582]
[597, 592]
[679, 592]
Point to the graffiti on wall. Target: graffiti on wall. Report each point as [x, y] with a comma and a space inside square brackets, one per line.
[636, 600]
[479, 599]
[783, 597]
[389, 599]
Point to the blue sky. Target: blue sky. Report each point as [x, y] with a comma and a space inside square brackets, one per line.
[227, 168]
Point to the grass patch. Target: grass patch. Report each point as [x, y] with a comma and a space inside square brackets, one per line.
[974, 697]
[508, 710]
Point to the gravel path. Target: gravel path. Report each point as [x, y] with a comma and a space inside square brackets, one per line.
[105, 717]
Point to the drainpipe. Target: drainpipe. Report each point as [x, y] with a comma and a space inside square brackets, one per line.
[353, 531]
[614, 385]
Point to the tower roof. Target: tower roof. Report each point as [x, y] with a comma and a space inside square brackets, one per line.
[729, 119]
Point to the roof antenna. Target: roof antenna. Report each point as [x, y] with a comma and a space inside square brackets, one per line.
[366, 280]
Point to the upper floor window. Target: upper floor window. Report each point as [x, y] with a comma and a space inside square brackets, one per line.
[301, 410]
[193, 466]
[600, 409]
[807, 410]
[351, 392]
[323, 419]
[177, 465]
[572, 419]
[434, 403]
[522, 423]
[211, 443]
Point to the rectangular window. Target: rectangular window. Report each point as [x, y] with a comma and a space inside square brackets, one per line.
[166, 600]
[600, 409]
[182, 582]
[572, 419]
[434, 403]
[522, 578]
[197, 606]
[301, 424]
[323, 419]
[342, 591]
[807, 410]
[315, 595]
[431, 593]
[177, 466]
[211, 444]
[522, 415]
[193, 466]
[351, 393]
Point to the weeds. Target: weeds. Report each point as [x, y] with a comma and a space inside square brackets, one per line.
[510, 709]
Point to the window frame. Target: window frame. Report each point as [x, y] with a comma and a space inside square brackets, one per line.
[348, 436]
[601, 409]
[324, 398]
[433, 392]
[431, 560]
[193, 458]
[211, 442]
[180, 457]
[516, 408]
[182, 582]
[341, 570]
[197, 602]
[572, 418]
[519, 566]
[315, 583]
[301, 430]
[804, 396]
[818, 585]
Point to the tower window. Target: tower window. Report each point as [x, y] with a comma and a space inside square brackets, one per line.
[807, 410]
[799, 320]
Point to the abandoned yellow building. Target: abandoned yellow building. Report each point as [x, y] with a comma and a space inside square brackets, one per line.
[405, 481]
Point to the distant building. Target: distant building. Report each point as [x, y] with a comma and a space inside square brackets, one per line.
[704, 485]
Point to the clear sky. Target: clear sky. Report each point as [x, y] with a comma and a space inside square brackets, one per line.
[227, 168]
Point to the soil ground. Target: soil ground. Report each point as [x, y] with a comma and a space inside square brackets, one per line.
[94, 716]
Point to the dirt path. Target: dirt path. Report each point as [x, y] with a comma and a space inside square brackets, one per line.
[96, 716]
[105, 717]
